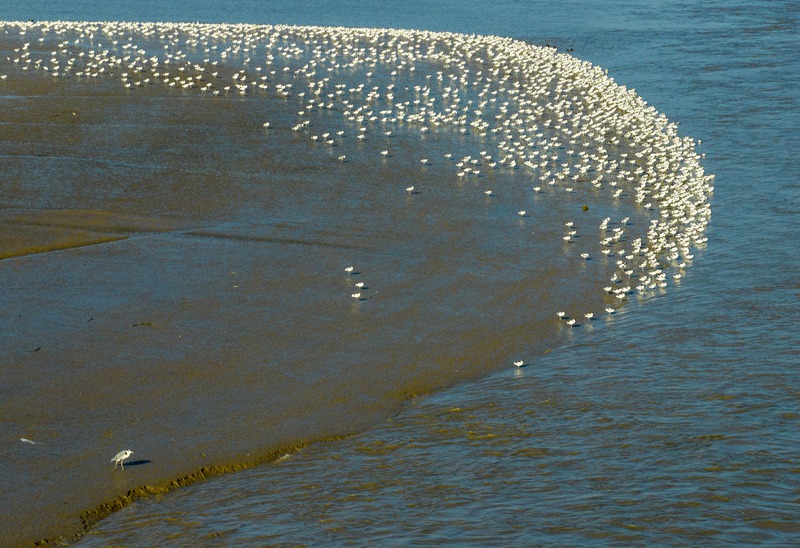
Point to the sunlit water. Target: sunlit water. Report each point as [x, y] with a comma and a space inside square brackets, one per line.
[673, 423]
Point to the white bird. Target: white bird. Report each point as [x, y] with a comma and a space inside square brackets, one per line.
[519, 363]
[521, 213]
[609, 310]
[359, 284]
[571, 321]
[356, 295]
[349, 269]
[410, 189]
[561, 314]
[589, 315]
[121, 456]
[489, 193]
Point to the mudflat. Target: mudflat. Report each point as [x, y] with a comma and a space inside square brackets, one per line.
[173, 283]
[204, 266]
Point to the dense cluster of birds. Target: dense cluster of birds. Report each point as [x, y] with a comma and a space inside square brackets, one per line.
[551, 119]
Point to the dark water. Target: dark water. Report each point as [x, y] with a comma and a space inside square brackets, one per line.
[674, 422]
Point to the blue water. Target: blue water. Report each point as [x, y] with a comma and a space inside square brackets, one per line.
[679, 425]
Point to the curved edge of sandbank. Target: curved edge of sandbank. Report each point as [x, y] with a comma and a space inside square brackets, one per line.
[90, 518]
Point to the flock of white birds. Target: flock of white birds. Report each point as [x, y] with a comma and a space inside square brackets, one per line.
[554, 121]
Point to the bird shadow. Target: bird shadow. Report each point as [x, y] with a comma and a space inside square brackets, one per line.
[140, 462]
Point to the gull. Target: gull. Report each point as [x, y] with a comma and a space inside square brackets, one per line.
[121, 456]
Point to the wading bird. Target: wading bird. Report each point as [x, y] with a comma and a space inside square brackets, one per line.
[121, 456]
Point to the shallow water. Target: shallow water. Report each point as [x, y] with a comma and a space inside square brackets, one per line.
[673, 432]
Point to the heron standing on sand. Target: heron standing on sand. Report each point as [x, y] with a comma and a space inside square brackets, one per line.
[121, 456]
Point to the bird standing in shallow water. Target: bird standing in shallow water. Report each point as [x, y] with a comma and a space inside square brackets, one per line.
[121, 456]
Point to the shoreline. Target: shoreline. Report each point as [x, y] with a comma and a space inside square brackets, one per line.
[89, 518]
[198, 346]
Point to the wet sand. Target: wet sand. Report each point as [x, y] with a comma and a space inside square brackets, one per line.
[173, 283]
[200, 314]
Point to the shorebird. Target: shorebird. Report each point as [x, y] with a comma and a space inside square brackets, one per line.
[410, 189]
[349, 269]
[121, 456]
[519, 363]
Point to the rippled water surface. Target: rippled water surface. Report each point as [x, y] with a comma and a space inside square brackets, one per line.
[673, 421]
